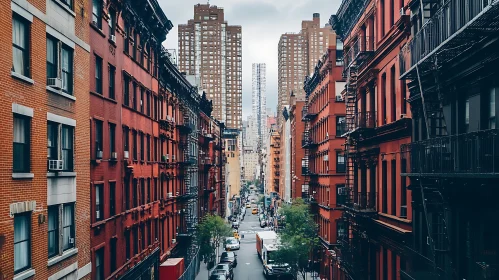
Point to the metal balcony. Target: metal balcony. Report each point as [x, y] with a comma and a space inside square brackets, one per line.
[365, 119]
[307, 142]
[453, 29]
[185, 127]
[473, 154]
[365, 202]
[359, 51]
[307, 115]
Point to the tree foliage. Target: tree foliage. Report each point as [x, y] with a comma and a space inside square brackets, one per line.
[211, 233]
[298, 238]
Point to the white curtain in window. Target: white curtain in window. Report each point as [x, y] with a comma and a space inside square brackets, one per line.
[18, 39]
[19, 131]
[21, 242]
[66, 69]
[67, 147]
[67, 224]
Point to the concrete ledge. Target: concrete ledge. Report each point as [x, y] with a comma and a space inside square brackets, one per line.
[85, 270]
[24, 275]
[22, 78]
[59, 92]
[61, 174]
[23, 175]
[66, 254]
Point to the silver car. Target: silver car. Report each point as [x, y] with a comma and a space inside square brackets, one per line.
[232, 244]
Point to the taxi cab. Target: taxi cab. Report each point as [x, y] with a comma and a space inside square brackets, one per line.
[236, 235]
[254, 211]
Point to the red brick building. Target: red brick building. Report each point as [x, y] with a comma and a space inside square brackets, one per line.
[298, 186]
[377, 214]
[44, 232]
[324, 159]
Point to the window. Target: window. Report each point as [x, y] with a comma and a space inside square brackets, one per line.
[97, 13]
[112, 203]
[142, 146]
[467, 115]
[68, 3]
[492, 109]
[99, 196]
[134, 97]
[384, 186]
[112, 139]
[340, 126]
[340, 162]
[98, 75]
[53, 230]
[148, 104]
[127, 38]
[68, 227]
[134, 135]
[59, 56]
[99, 262]
[111, 74]
[148, 190]
[21, 142]
[64, 150]
[394, 187]
[52, 55]
[141, 99]
[126, 90]
[126, 140]
[112, 22]
[98, 139]
[20, 44]
[112, 250]
[127, 245]
[135, 41]
[142, 191]
[22, 242]
[148, 151]
[393, 95]
[382, 17]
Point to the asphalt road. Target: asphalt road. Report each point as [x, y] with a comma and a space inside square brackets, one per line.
[249, 267]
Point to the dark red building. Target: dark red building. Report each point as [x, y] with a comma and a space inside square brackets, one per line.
[298, 186]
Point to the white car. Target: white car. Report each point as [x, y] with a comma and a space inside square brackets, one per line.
[232, 244]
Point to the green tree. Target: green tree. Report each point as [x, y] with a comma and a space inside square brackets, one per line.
[211, 233]
[298, 238]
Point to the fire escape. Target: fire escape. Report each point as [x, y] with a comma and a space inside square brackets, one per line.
[359, 208]
[308, 144]
[450, 29]
[188, 196]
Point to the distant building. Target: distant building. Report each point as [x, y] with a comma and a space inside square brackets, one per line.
[259, 106]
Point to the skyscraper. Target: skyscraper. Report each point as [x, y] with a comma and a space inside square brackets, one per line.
[211, 50]
[259, 107]
[298, 55]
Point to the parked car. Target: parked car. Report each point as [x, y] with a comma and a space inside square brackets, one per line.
[226, 267]
[229, 257]
[248, 205]
[222, 272]
[235, 225]
[218, 277]
[232, 244]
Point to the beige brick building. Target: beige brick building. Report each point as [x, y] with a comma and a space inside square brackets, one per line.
[211, 50]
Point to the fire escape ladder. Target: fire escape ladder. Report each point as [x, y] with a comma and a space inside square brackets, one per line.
[305, 160]
[350, 144]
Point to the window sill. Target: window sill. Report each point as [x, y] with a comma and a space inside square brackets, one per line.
[22, 77]
[59, 92]
[23, 175]
[66, 254]
[103, 97]
[61, 174]
[24, 275]
[65, 7]
[96, 28]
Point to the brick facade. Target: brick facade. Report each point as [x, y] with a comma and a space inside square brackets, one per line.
[65, 105]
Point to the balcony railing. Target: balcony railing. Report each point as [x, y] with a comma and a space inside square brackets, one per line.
[365, 119]
[443, 27]
[469, 154]
[359, 50]
[307, 142]
[306, 114]
[365, 201]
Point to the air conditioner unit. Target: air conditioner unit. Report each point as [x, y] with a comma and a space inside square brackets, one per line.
[174, 241]
[326, 157]
[168, 118]
[97, 214]
[170, 195]
[99, 154]
[114, 155]
[209, 135]
[55, 165]
[54, 83]
[125, 155]
[327, 135]
[176, 194]
[113, 38]
[173, 157]
[402, 11]
[339, 98]
[71, 240]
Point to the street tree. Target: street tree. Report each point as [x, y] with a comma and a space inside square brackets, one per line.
[211, 233]
[298, 238]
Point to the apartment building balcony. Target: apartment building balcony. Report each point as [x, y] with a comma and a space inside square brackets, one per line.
[365, 119]
[187, 161]
[167, 124]
[359, 51]
[365, 202]
[473, 154]
[307, 142]
[307, 114]
[451, 31]
[185, 127]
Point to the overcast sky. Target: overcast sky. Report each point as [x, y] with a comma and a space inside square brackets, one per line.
[263, 22]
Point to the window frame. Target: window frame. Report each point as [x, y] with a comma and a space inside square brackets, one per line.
[99, 202]
[99, 137]
[112, 81]
[24, 49]
[338, 169]
[98, 75]
[99, 264]
[72, 227]
[112, 199]
[112, 139]
[68, 3]
[26, 165]
[54, 210]
[27, 216]
[97, 13]
[69, 70]
[126, 90]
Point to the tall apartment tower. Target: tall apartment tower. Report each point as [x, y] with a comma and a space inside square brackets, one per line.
[259, 107]
[211, 50]
[298, 55]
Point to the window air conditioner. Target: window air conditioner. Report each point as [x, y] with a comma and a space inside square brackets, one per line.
[170, 195]
[176, 194]
[114, 155]
[97, 214]
[125, 155]
[54, 83]
[173, 119]
[113, 38]
[99, 154]
[71, 240]
[55, 165]
[326, 157]
[174, 241]
[173, 157]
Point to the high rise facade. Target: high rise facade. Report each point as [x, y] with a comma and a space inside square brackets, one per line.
[259, 107]
[298, 54]
[211, 50]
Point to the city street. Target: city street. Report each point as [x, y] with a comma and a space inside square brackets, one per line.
[248, 264]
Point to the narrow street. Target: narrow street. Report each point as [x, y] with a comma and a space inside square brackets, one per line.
[248, 264]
